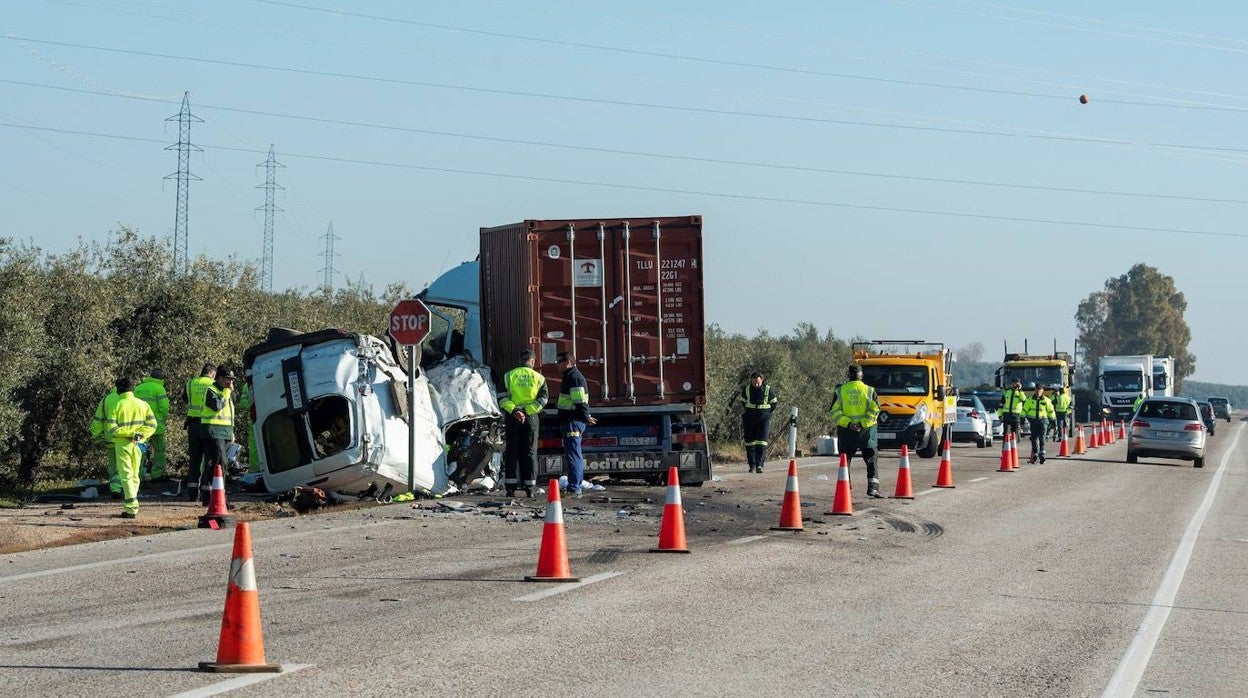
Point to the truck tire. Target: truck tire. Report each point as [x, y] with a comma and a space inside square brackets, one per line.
[1199, 463]
[932, 447]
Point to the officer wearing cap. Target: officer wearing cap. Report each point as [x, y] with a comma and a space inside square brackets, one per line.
[218, 423]
[758, 402]
[1012, 408]
[1061, 409]
[526, 398]
[1038, 410]
[196, 389]
[855, 408]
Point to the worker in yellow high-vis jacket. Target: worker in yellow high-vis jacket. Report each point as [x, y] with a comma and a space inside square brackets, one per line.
[196, 389]
[152, 391]
[130, 424]
[855, 411]
[526, 398]
[99, 434]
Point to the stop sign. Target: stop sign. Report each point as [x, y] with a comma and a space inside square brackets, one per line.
[409, 322]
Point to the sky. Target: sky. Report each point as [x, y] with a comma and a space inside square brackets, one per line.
[879, 168]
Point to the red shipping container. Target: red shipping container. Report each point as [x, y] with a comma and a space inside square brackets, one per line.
[624, 295]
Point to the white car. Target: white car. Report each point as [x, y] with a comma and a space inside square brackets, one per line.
[974, 422]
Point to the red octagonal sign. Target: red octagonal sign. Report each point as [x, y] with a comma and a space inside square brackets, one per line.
[409, 322]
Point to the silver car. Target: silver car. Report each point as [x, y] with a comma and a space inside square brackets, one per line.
[1167, 427]
[974, 422]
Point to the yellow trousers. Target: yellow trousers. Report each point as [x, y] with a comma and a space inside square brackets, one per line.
[129, 464]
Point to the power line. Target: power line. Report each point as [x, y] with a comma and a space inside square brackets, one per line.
[691, 192]
[689, 158]
[727, 62]
[615, 102]
[1092, 30]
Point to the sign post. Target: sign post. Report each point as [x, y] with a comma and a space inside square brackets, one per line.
[409, 325]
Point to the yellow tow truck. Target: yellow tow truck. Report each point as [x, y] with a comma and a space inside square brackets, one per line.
[1055, 369]
[914, 382]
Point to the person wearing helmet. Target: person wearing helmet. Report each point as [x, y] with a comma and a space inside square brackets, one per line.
[855, 407]
[1062, 402]
[1038, 410]
[1012, 408]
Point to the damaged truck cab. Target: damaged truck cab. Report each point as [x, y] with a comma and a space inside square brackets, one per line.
[626, 298]
[330, 411]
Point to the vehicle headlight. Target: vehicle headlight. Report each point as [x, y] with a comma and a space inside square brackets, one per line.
[920, 415]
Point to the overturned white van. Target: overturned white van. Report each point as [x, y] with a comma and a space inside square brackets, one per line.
[330, 411]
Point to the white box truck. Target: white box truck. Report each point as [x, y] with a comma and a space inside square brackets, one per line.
[1163, 376]
[1122, 380]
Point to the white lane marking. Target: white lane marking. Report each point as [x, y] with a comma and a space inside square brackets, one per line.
[103, 626]
[747, 539]
[175, 553]
[1131, 669]
[239, 682]
[978, 479]
[561, 588]
[934, 489]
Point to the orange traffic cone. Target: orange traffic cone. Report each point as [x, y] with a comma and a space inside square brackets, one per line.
[791, 510]
[1081, 444]
[1014, 450]
[904, 490]
[1007, 460]
[842, 503]
[1064, 451]
[241, 647]
[1122, 429]
[944, 478]
[1098, 435]
[672, 530]
[552, 559]
[1093, 432]
[1107, 428]
[217, 516]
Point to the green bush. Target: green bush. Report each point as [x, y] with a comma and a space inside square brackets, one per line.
[73, 322]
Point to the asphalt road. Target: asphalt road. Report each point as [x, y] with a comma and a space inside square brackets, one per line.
[1068, 578]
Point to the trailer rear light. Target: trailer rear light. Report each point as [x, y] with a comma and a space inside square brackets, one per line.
[550, 443]
[1194, 427]
[695, 437]
[1139, 423]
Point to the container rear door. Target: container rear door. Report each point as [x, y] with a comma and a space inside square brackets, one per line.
[626, 297]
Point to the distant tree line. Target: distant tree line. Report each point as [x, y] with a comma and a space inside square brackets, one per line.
[72, 322]
[804, 367]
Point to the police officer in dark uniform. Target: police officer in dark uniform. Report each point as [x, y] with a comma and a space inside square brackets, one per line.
[759, 401]
[574, 418]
